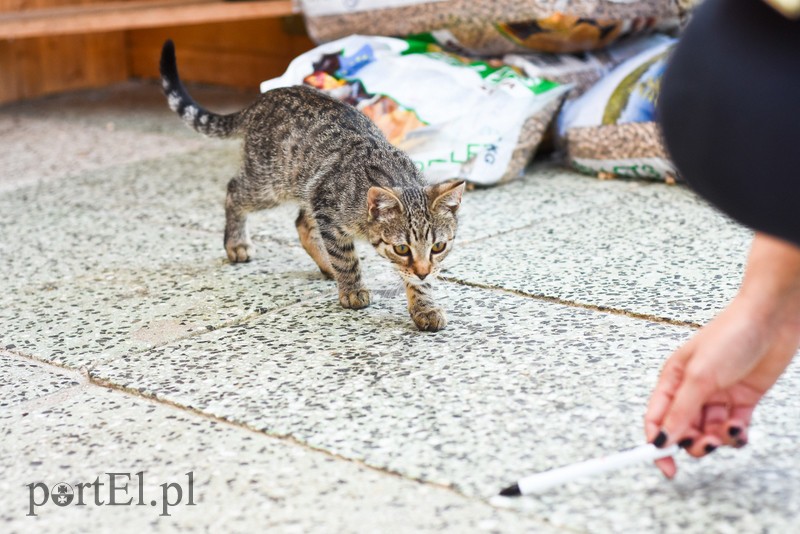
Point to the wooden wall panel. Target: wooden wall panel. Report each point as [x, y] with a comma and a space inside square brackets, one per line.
[241, 54]
[25, 5]
[40, 66]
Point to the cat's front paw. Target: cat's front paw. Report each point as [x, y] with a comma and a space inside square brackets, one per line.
[355, 299]
[239, 252]
[429, 319]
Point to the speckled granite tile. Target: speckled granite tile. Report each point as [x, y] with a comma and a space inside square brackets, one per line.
[37, 150]
[513, 386]
[116, 131]
[71, 233]
[660, 252]
[188, 189]
[97, 316]
[22, 380]
[135, 106]
[83, 284]
[86, 284]
[57, 242]
[546, 191]
[242, 481]
[184, 190]
[755, 489]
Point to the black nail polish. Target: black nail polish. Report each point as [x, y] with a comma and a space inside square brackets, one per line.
[709, 448]
[685, 443]
[734, 431]
[660, 440]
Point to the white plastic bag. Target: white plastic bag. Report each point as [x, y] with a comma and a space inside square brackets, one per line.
[457, 118]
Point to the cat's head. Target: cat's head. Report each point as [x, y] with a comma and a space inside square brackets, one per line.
[414, 228]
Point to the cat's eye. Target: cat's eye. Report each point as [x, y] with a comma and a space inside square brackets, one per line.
[438, 247]
[401, 250]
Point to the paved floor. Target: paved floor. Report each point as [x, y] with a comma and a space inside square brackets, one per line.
[129, 345]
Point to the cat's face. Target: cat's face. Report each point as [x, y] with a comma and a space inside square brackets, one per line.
[414, 228]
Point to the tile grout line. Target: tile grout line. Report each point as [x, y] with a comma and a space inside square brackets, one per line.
[86, 379]
[86, 382]
[62, 368]
[296, 442]
[80, 376]
[573, 304]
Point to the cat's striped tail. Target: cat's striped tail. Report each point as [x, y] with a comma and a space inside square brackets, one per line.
[198, 118]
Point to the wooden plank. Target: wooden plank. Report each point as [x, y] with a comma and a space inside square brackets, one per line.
[13, 73]
[262, 36]
[22, 70]
[56, 9]
[261, 45]
[130, 15]
[222, 68]
[29, 5]
[37, 67]
[107, 58]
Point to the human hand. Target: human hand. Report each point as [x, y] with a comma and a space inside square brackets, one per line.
[709, 388]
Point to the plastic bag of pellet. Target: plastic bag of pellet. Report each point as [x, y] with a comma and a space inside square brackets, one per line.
[456, 117]
[582, 71]
[611, 129]
[491, 27]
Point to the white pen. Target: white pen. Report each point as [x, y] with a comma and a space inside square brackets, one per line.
[561, 475]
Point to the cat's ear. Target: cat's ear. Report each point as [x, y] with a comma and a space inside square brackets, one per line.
[383, 204]
[446, 196]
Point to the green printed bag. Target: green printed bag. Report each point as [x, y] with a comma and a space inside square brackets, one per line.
[456, 117]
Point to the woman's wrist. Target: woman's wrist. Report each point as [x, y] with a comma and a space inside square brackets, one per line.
[771, 286]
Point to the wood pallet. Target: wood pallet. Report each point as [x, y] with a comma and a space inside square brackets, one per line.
[114, 16]
[51, 46]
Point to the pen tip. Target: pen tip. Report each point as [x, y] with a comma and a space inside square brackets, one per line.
[511, 491]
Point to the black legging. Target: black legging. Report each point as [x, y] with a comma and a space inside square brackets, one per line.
[730, 111]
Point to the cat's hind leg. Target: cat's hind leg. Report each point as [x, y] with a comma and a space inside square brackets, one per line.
[344, 262]
[242, 199]
[312, 243]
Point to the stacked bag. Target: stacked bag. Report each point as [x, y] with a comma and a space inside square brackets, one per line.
[611, 129]
[494, 27]
[456, 117]
[471, 88]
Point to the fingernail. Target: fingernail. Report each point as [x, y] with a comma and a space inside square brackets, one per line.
[734, 431]
[660, 440]
[685, 443]
[709, 448]
[740, 443]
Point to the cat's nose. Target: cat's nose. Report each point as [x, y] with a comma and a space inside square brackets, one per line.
[422, 269]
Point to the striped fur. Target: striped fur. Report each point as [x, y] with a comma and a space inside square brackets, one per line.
[303, 146]
[191, 112]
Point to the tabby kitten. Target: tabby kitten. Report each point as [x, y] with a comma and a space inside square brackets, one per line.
[302, 145]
